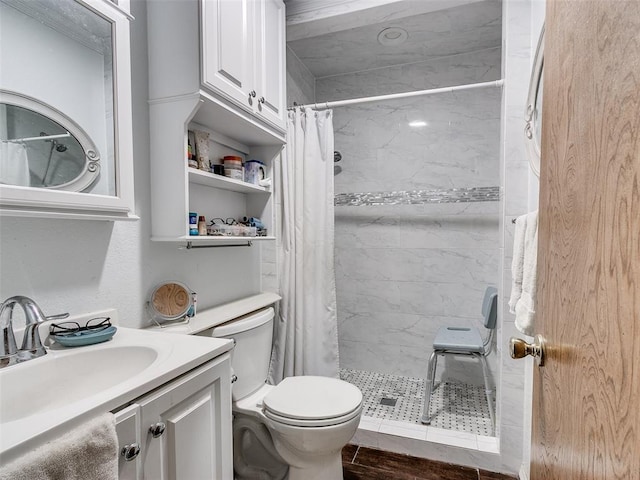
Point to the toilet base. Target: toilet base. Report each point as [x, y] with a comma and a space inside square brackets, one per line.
[327, 468]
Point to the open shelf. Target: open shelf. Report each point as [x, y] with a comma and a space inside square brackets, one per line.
[218, 181]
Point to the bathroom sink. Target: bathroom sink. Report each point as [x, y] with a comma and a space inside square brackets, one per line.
[41, 398]
[55, 380]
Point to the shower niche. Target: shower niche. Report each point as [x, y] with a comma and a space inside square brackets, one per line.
[65, 113]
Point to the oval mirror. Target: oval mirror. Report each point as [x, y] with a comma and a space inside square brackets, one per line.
[533, 115]
[171, 301]
[42, 147]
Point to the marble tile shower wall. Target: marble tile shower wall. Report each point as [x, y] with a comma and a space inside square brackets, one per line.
[402, 271]
[480, 66]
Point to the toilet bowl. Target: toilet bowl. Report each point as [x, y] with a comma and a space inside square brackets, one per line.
[302, 423]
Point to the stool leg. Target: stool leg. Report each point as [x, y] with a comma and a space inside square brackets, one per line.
[488, 390]
[428, 387]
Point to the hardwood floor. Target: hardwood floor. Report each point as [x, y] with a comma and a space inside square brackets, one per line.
[362, 463]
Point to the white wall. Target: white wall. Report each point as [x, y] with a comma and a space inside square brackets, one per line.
[520, 35]
[81, 266]
[301, 84]
[537, 20]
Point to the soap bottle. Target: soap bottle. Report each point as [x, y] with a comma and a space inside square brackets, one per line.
[202, 225]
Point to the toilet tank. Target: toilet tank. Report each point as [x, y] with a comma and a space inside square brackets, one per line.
[251, 355]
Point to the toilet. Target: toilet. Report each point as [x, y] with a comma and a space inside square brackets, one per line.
[297, 427]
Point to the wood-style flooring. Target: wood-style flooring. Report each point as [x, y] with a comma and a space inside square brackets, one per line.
[361, 463]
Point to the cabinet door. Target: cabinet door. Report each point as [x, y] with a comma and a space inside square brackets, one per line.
[270, 60]
[192, 417]
[128, 430]
[227, 49]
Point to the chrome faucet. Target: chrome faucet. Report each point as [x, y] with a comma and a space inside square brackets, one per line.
[31, 344]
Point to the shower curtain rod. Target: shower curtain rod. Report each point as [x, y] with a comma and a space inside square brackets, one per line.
[43, 137]
[393, 96]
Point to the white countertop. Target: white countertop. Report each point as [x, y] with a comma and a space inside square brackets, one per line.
[220, 314]
[176, 355]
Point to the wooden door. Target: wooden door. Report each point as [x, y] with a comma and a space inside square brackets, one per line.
[586, 404]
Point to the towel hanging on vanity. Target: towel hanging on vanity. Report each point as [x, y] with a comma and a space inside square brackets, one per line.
[89, 451]
[524, 272]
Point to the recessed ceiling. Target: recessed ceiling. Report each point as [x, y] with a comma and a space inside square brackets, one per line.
[453, 31]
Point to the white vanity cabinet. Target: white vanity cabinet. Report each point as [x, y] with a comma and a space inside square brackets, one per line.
[216, 66]
[128, 430]
[243, 54]
[183, 429]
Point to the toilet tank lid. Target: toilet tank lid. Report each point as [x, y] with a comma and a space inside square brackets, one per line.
[244, 323]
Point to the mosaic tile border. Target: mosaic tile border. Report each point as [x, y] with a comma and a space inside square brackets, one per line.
[418, 197]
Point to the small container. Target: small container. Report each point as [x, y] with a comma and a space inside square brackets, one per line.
[193, 223]
[202, 225]
[233, 167]
[235, 173]
[214, 229]
[254, 171]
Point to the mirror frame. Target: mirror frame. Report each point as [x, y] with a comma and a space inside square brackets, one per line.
[91, 169]
[50, 203]
[531, 139]
[161, 319]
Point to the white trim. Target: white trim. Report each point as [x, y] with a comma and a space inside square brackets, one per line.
[394, 96]
[523, 474]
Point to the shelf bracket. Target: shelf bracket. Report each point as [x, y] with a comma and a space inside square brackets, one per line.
[191, 246]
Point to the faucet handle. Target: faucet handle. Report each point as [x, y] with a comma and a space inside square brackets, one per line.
[8, 347]
[31, 343]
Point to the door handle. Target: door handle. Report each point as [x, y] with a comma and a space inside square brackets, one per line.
[157, 429]
[130, 452]
[518, 348]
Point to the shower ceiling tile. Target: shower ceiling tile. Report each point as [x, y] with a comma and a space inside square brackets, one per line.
[453, 31]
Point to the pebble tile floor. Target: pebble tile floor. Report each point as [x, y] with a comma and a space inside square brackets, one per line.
[361, 463]
[454, 406]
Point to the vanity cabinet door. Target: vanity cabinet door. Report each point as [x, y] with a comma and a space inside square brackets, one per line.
[227, 49]
[270, 60]
[186, 426]
[128, 431]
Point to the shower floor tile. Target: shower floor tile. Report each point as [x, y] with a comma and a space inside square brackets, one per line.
[454, 406]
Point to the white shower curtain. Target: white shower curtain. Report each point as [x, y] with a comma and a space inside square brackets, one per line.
[306, 331]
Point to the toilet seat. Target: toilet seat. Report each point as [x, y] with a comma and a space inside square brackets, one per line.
[310, 401]
[321, 422]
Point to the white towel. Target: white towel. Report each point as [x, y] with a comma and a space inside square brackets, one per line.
[517, 262]
[89, 451]
[14, 164]
[524, 272]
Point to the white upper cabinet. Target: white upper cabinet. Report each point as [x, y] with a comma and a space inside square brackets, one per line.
[270, 60]
[243, 54]
[217, 66]
[227, 65]
[230, 52]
